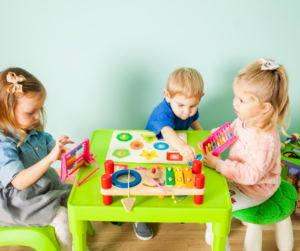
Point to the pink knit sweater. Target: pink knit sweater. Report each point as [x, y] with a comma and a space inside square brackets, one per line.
[253, 162]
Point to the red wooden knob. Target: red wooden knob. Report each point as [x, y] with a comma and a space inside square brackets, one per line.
[197, 166]
[109, 166]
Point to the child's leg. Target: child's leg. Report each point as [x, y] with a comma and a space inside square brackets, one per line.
[62, 230]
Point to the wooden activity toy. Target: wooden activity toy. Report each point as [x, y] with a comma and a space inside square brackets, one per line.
[153, 181]
[142, 147]
[290, 141]
[75, 159]
[291, 159]
[219, 140]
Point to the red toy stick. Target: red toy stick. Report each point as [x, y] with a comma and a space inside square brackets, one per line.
[199, 183]
[106, 184]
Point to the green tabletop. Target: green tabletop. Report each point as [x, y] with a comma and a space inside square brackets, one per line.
[85, 202]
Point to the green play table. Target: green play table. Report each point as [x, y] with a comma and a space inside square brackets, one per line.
[85, 202]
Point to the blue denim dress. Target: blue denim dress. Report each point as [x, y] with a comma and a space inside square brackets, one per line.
[36, 205]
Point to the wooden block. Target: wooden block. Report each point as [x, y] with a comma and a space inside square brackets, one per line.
[298, 183]
[179, 182]
[128, 203]
[292, 179]
[170, 180]
[188, 177]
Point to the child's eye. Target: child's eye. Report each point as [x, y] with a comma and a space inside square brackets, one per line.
[242, 101]
[180, 105]
[30, 113]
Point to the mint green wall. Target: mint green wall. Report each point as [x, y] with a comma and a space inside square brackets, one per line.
[105, 63]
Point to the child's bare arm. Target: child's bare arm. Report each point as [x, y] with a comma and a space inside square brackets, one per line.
[186, 151]
[196, 126]
[28, 176]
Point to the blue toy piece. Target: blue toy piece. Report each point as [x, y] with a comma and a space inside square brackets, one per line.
[133, 183]
[199, 157]
[161, 146]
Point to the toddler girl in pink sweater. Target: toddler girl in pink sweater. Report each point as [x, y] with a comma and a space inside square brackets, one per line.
[253, 166]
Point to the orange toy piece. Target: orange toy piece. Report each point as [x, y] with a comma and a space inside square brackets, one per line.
[188, 177]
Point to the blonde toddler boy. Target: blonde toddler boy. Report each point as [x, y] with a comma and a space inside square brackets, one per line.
[179, 110]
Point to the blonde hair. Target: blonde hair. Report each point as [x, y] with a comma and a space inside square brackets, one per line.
[185, 81]
[268, 86]
[8, 102]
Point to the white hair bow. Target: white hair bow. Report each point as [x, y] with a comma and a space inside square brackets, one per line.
[15, 87]
[267, 64]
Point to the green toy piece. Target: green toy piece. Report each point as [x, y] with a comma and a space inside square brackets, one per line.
[275, 209]
[170, 175]
[121, 153]
[124, 137]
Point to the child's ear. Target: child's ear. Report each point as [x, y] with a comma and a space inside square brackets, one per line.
[202, 94]
[167, 96]
[266, 107]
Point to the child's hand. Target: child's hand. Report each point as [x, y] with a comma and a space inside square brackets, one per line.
[93, 156]
[188, 152]
[58, 150]
[210, 160]
[200, 144]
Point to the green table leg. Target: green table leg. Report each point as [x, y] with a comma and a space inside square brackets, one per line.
[220, 230]
[90, 228]
[78, 231]
[219, 243]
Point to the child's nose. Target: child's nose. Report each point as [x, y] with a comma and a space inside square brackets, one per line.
[37, 116]
[234, 103]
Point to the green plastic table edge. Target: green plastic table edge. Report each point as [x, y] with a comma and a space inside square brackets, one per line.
[220, 217]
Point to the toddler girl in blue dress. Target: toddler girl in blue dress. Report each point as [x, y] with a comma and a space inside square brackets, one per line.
[31, 193]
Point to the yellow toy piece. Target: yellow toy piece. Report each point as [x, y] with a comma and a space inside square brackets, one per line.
[179, 182]
[149, 155]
